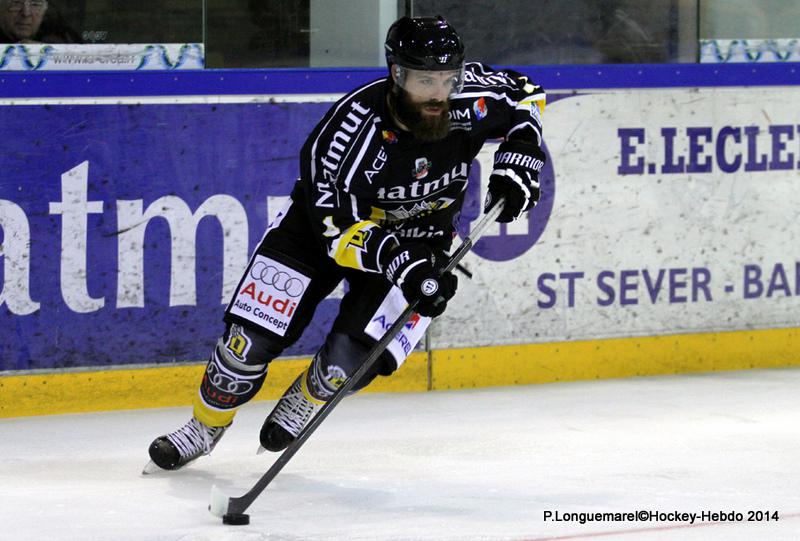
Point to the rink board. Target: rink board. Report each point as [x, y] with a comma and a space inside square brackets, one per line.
[85, 391]
[667, 220]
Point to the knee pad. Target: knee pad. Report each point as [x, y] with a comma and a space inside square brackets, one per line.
[338, 359]
[237, 368]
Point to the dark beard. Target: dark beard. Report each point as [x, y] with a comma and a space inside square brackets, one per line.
[425, 128]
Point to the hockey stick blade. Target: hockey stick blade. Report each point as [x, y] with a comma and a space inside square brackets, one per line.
[222, 505]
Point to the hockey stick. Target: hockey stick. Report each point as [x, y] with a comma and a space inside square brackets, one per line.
[231, 509]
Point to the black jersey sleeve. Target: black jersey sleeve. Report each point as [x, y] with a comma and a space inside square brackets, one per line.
[513, 101]
[337, 164]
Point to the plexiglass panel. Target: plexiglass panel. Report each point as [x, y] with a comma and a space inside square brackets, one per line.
[101, 21]
[101, 34]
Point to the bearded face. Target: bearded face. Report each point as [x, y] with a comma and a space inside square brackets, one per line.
[428, 120]
[421, 101]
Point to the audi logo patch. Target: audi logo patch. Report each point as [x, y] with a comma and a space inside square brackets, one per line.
[280, 280]
[270, 294]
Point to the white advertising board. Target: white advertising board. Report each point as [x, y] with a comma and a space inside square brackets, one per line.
[673, 211]
[106, 57]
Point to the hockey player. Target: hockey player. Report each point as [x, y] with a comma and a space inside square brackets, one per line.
[382, 182]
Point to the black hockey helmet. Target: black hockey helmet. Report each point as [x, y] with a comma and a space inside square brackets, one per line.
[424, 43]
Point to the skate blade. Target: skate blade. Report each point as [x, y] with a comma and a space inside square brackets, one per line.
[151, 467]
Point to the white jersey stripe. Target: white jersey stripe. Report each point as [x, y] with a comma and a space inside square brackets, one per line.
[360, 156]
[367, 140]
[354, 208]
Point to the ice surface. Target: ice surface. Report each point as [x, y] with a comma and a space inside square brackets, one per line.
[482, 464]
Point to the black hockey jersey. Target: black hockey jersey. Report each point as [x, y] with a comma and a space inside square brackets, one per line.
[368, 184]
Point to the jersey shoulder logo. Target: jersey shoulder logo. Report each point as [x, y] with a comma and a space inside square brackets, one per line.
[389, 136]
[480, 108]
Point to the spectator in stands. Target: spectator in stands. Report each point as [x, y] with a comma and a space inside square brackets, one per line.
[20, 20]
[33, 21]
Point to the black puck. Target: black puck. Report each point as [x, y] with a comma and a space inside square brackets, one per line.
[236, 519]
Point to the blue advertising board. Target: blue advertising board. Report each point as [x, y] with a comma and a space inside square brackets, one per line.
[125, 225]
[73, 177]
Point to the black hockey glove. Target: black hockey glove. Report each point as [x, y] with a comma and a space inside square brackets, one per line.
[412, 267]
[516, 177]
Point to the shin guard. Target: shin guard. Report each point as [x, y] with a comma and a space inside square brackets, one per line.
[234, 375]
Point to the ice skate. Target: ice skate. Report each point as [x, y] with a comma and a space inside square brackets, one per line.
[289, 416]
[176, 449]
